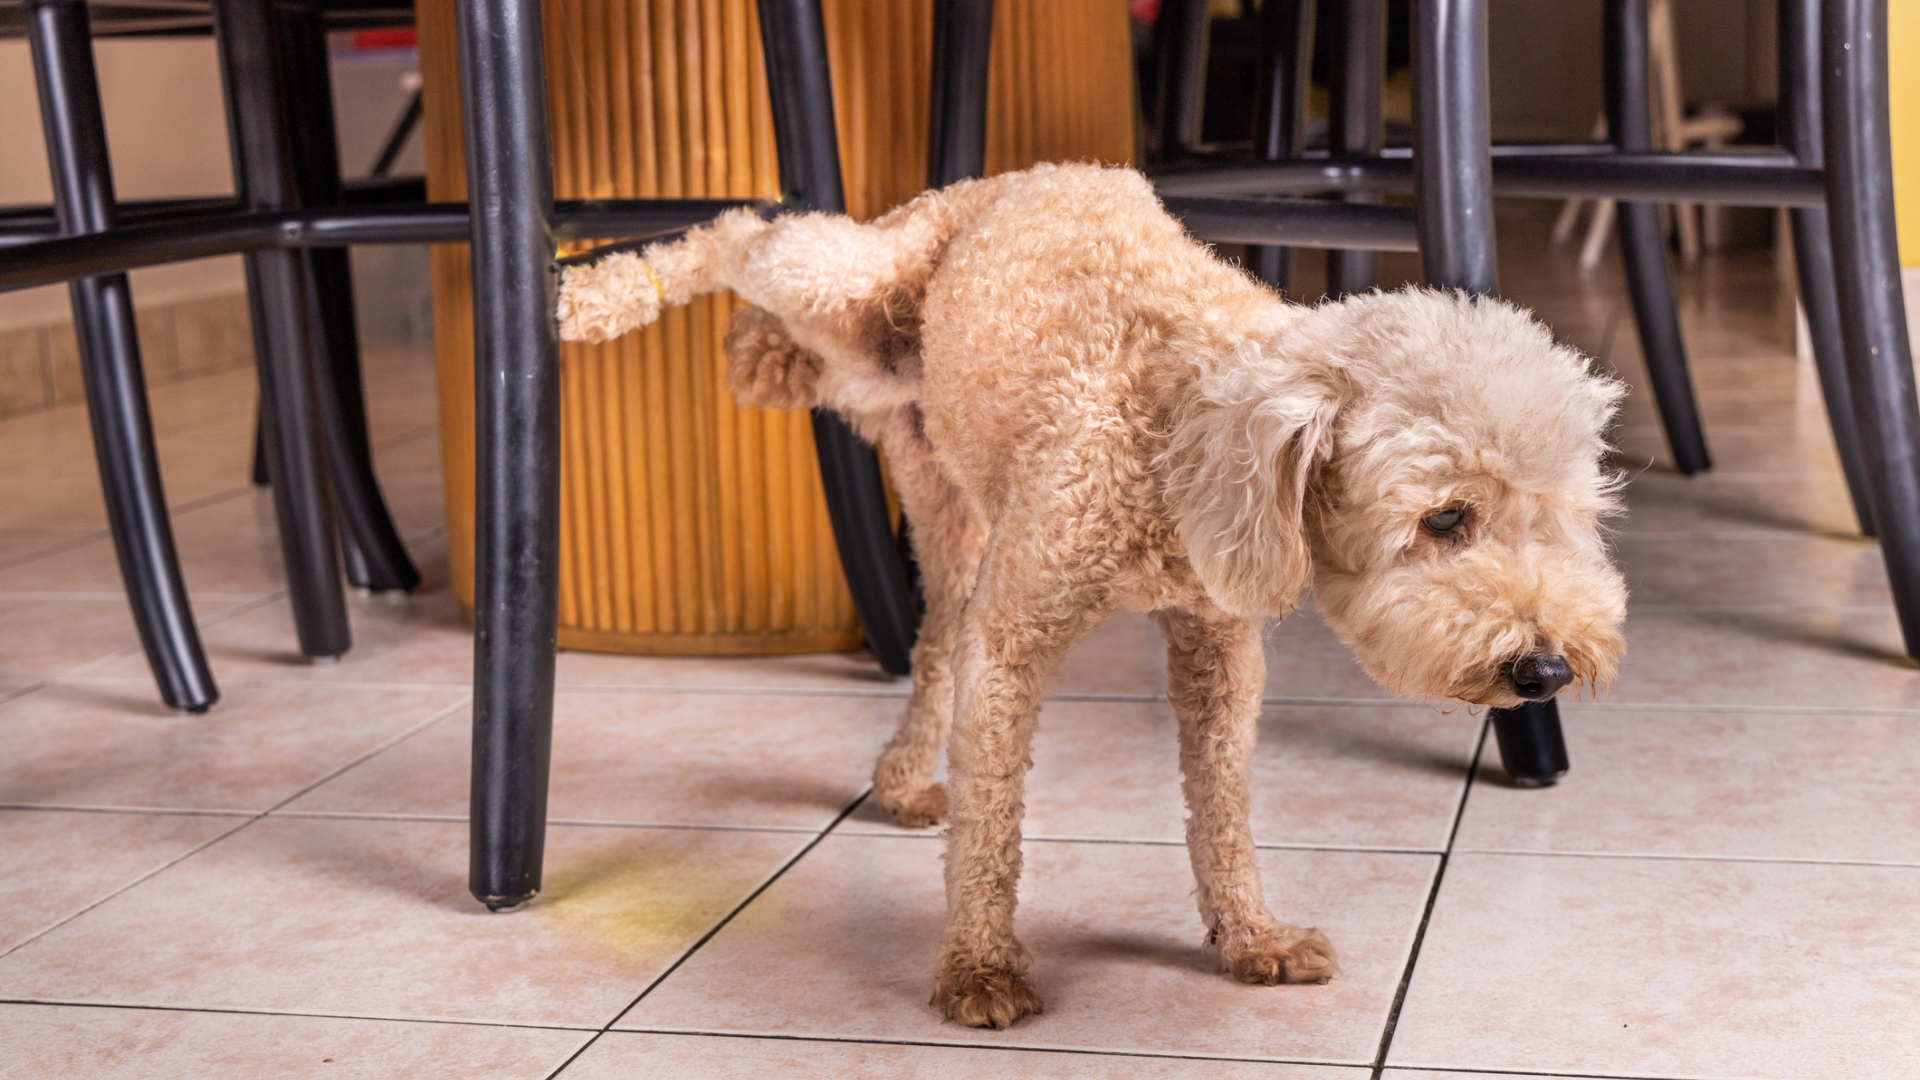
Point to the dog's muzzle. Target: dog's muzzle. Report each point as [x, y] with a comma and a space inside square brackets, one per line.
[1539, 676]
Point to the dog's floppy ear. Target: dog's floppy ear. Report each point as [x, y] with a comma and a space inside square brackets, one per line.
[1241, 455]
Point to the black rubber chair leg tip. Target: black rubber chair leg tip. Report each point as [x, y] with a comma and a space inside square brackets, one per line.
[1534, 781]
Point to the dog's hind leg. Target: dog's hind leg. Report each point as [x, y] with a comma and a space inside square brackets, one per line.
[1215, 672]
[947, 538]
[1016, 631]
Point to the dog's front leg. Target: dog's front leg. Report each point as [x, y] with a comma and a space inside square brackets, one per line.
[1008, 652]
[1215, 673]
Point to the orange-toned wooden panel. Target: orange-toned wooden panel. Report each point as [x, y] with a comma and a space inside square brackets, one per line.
[691, 524]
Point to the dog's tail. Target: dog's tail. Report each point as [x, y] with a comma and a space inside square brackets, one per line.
[626, 290]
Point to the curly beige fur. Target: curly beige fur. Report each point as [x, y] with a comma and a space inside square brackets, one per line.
[1083, 409]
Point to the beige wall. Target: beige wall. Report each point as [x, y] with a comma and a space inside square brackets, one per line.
[1546, 60]
[166, 131]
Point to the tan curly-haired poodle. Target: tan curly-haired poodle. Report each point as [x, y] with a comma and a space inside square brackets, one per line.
[1084, 409]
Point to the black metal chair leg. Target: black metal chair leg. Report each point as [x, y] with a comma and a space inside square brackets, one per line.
[1866, 256]
[1643, 246]
[794, 39]
[1354, 127]
[1800, 132]
[1180, 48]
[1453, 175]
[1280, 108]
[375, 557]
[258, 471]
[517, 489]
[62, 45]
[278, 291]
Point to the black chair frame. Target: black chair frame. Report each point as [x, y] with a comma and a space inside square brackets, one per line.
[1832, 170]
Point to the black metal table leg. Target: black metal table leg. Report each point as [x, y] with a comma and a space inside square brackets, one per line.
[957, 114]
[1354, 127]
[279, 290]
[1453, 175]
[375, 557]
[1866, 257]
[794, 39]
[517, 489]
[1643, 246]
[62, 45]
[1280, 109]
[1800, 132]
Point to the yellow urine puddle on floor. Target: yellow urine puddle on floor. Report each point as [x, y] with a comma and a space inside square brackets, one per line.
[647, 902]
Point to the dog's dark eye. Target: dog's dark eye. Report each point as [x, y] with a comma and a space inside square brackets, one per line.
[1445, 521]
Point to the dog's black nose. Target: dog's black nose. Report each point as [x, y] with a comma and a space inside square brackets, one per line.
[1541, 675]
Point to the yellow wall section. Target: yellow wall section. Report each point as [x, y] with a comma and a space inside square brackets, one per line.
[1903, 69]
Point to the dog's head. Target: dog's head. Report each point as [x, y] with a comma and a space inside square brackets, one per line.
[1432, 465]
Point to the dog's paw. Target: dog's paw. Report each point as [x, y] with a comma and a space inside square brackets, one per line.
[916, 808]
[980, 996]
[765, 368]
[600, 301]
[1279, 954]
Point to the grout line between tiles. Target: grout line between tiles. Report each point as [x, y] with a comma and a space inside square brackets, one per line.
[242, 824]
[715, 929]
[1433, 897]
[147, 811]
[203, 623]
[1664, 857]
[1417, 1069]
[579, 823]
[235, 1011]
[111, 893]
[1031, 1048]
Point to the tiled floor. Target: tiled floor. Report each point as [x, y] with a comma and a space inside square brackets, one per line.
[1725, 886]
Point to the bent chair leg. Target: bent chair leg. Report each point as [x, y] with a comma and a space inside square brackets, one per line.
[1801, 133]
[62, 47]
[1859, 174]
[1643, 246]
[375, 557]
[808, 147]
[277, 289]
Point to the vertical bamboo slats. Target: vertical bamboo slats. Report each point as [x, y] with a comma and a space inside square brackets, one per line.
[691, 525]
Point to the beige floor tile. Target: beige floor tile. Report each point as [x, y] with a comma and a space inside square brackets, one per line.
[1446, 1074]
[842, 945]
[1779, 448]
[1667, 503]
[1764, 786]
[372, 918]
[115, 744]
[619, 1055]
[61, 861]
[1812, 659]
[216, 566]
[155, 1044]
[1664, 967]
[1126, 657]
[842, 673]
[42, 636]
[1334, 776]
[663, 758]
[418, 640]
[1772, 571]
